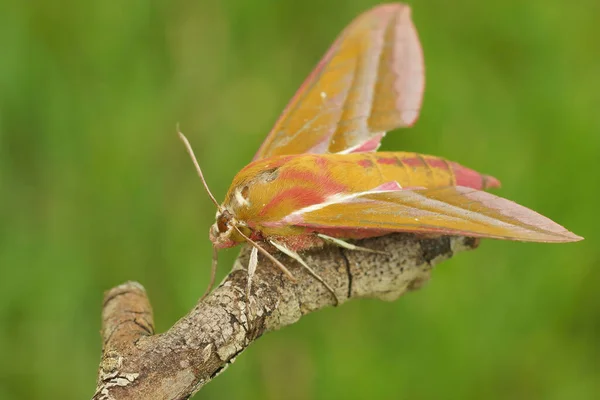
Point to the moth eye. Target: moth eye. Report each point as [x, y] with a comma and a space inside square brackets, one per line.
[221, 225]
[223, 222]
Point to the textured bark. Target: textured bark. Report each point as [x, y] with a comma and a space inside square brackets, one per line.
[137, 364]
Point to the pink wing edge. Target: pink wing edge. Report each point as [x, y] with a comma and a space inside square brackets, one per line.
[372, 144]
[552, 231]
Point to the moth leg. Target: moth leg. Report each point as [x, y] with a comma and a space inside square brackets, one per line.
[251, 271]
[267, 254]
[349, 246]
[297, 257]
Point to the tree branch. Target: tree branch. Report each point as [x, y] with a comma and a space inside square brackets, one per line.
[137, 364]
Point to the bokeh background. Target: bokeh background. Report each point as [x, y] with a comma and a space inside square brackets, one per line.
[96, 189]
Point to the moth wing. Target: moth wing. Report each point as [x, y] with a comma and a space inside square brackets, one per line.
[369, 82]
[453, 210]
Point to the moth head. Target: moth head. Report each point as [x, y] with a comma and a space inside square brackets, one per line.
[223, 232]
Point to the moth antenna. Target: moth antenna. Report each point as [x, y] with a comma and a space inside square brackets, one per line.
[268, 255]
[198, 169]
[213, 273]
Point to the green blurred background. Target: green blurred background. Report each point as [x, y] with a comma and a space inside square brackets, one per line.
[96, 189]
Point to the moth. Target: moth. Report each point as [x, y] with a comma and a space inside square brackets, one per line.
[317, 177]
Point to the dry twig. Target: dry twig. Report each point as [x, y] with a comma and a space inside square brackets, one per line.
[138, 364]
